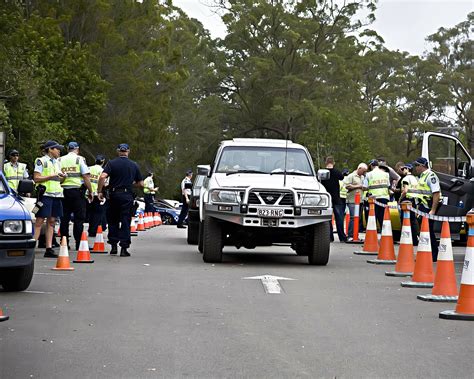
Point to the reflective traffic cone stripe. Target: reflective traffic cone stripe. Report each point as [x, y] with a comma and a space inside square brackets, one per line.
[141, 226]
[99, 245]
[386, 253]
[371, 244]
[2, 316]
[405, 260]
[83, 254]
[423, 276]
[158, 217]
[465, 306]
[133, 227]
[62, 263]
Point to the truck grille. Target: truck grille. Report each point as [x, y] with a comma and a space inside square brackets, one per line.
[269, 198]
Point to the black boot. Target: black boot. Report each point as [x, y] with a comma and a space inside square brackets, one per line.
[113, 251]
[124, 252]
[49, 253]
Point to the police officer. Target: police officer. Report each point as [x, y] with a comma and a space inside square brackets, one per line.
[409, 184]
[428, 196]
[48, 173]
[123, 173]
[186, 185]
[77, 176]
[377, 184]
[149, 191]
[96, 208]
[14, 171]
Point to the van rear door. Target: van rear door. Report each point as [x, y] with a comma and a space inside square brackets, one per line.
[450, 160]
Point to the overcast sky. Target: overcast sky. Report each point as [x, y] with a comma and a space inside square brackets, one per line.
[403, 24]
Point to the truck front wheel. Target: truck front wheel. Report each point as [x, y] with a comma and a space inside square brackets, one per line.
[320, 245]
[212, 241]
[17, 279]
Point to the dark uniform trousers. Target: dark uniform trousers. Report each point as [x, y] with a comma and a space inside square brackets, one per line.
[149, 200]
[96, 217]
[73, 202]
[184, 211]
[119, 210]
[379, 211]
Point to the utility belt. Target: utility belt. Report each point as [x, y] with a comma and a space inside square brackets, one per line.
[120, 190]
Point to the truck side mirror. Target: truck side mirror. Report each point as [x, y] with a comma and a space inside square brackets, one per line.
[204, 169]
[463, 169]
[323, 174]
[25, 186]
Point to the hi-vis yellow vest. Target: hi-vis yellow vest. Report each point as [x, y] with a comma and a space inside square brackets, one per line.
[378, 184]
[342, 190]
[14, 174]
[70, 164]
[95, 172]
[53, 186]
[423, 190]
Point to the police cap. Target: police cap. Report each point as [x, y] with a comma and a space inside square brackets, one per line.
[13, 152]
[189, 172]
[52, 145]
[123, 147]
[420, 162]
[72, 145]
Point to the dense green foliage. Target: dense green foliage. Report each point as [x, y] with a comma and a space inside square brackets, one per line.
[106, 71]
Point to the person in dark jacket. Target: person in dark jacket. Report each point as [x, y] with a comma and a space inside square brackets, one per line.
[333, 187]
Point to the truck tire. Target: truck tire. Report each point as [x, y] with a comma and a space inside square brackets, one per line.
[200, 239]
[320, 245]
[212, 241]
[193, 233]
[17, 279]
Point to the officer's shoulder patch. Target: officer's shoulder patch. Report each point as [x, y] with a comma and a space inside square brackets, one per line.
[433, 179]
[39, 162]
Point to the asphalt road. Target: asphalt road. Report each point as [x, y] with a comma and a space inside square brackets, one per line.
[165, 313]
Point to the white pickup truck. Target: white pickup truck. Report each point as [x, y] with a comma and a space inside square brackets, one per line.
[262, 192]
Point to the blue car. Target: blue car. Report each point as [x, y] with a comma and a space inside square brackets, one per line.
[16, 237]
[169, 214]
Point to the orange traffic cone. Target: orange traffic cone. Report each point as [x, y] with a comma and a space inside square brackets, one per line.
[83, 254]
[445, 288]
[133, 227]
[347, 220]
[423, 274]
[62, 263]
[371, 244]
[99, 245]
[2, 316]
[386, 251]
[146, 220]
[155, 219]
[405, 260]
[465, 306]
[158, 219]
[141, 224]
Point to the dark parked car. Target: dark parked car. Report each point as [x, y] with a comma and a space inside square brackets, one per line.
[193, 213]
[16, 237]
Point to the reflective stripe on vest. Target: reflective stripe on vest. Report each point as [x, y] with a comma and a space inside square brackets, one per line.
[14, 174]
[53, 186]
[95, 172]
[70, 164]
[423, 190]
[378, 184]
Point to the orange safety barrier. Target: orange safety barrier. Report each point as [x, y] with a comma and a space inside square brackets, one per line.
[465, 306]
[62, 263]
[371, 244]
[83, 254]
[423, 276]
[405, 260]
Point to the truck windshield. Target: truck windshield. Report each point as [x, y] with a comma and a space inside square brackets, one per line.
[267, 160]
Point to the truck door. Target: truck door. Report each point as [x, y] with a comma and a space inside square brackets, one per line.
[454, 166]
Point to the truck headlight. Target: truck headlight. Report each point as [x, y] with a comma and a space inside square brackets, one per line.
[225, 196]
[12, 227]
[314, 200]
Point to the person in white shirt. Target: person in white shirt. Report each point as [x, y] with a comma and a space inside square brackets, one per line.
[186, 186]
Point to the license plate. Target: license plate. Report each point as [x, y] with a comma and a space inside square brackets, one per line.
[268, 212]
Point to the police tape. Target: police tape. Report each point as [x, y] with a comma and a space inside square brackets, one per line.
[423, 214]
